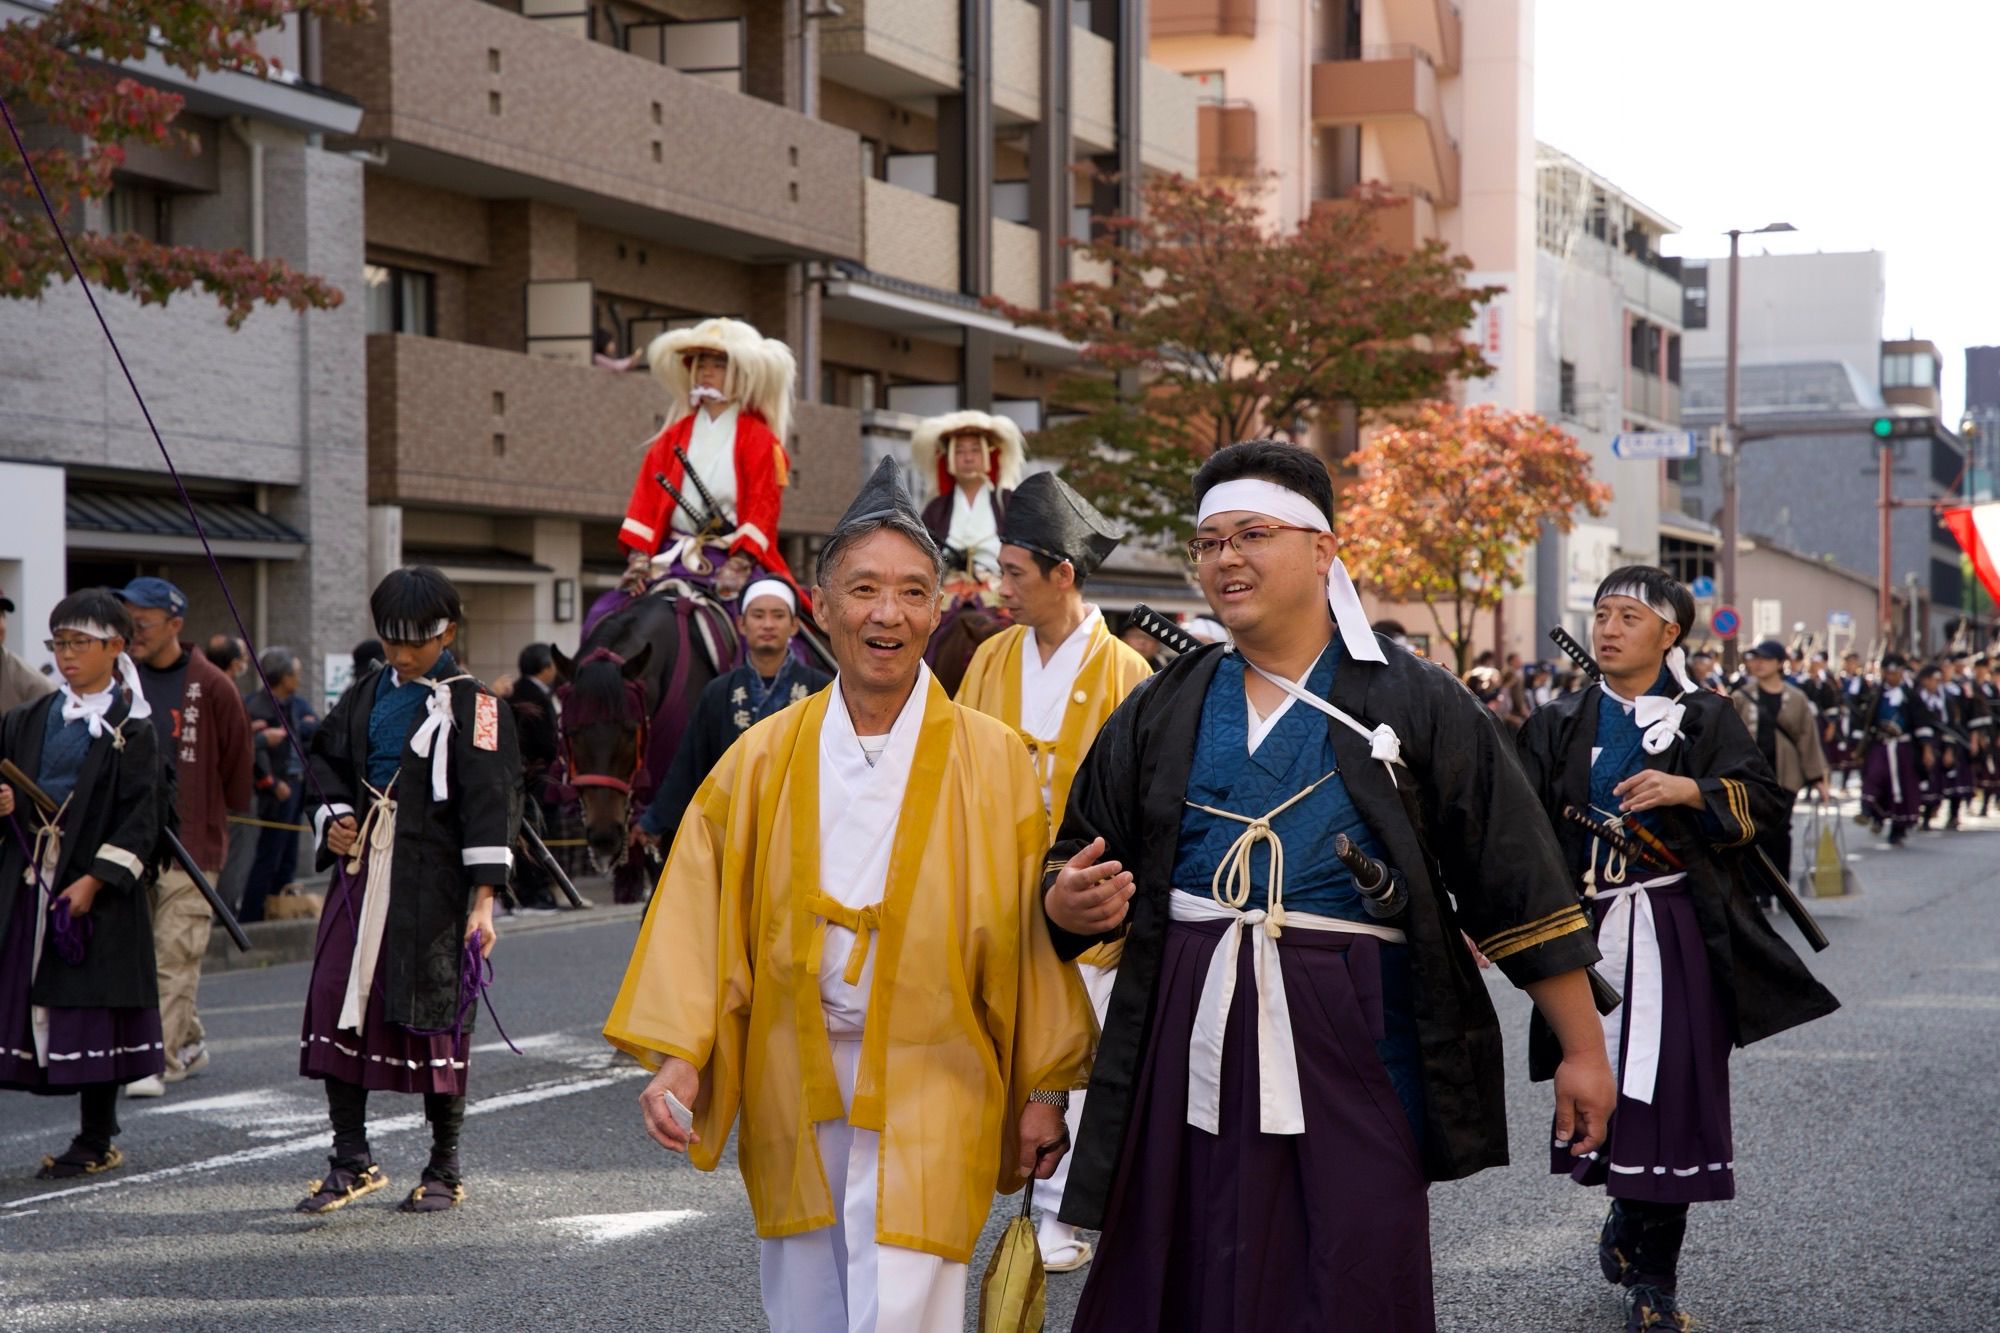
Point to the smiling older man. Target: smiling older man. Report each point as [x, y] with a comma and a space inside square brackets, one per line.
[847, 948]
[1293, 1047]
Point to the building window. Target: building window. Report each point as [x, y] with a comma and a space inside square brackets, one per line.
[138, 211]
[1910, 370]
[1210, 88]
[1566, 389]
[1694, 293]
[1673, 358]
[399, 300]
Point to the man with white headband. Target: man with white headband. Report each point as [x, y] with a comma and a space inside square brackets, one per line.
[1670, 769]
[769, 681]
[1285, 1062]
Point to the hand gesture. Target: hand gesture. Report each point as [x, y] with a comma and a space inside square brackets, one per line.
[81, 895]
[684, 1081]
[1647, 790]
[340, 835]
[1586, 1094]
[479, 926]
[1044, 1140]
[1089, 897]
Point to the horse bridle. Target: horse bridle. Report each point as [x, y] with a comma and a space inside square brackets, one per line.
[635, 698]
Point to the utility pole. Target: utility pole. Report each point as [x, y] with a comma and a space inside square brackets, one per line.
[1730, 439]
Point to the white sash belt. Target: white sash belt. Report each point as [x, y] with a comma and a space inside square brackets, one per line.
[1281, 1109]
[376, 843]
[1895, 770]
[1629, 932]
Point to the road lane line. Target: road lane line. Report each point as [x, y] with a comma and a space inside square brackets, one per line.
[597, 1228]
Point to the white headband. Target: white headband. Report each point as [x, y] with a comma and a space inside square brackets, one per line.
[90, 627]
[404, 631]
[1677, 655]
[777, 588]
[1287, 506]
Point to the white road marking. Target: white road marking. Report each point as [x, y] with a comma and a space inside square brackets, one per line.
[539, 1092]
[1974, 1002]
[601, 1227]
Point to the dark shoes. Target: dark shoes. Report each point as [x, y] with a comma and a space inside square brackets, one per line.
[342, 1185]
[432, 1196]
[1617, 1265]
[80, 1160]
[1651, 1309]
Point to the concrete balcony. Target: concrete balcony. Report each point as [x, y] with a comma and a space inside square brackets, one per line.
[1432, 25]
[1017, 264]
[457, 426]
[1226, 139]
[1203, 18]
[1017, 62]
[470, 97]
[893, 48]
[1658, 295]
[911, 236]
[1401, 227]
[1657, 400]
[1092, 104]
[1168, 107]
[1396, 95]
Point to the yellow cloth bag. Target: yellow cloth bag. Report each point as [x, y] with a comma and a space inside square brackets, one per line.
[1830, 876]
[1013, 1296]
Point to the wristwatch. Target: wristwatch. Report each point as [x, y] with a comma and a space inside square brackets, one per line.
[1057, 1099]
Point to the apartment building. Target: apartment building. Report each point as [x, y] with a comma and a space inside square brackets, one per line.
[265, 423]
[1607, 361]
[852, 178]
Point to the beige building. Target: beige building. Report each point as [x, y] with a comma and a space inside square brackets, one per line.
[853, 178]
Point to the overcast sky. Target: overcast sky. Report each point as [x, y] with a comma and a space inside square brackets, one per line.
[1867, 125]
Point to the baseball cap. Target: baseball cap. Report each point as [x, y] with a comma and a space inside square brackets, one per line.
[1770, 648]
[6, 602]
[154, 595]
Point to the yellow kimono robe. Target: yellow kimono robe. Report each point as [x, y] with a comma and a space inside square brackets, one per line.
[969, 1011]
[1109, 672]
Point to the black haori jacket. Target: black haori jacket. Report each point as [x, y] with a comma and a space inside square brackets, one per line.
[444, 849]
[112, 831]
[1460, 822]
[1763, 985]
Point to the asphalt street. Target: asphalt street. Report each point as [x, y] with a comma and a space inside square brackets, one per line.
[1867, 1165]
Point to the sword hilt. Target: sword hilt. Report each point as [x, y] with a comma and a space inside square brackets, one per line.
[1164, 630]
[1576, 652]
[1383, 892]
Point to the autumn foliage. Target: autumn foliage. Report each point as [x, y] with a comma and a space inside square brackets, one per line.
[79, 115]
[1214, 328]
[1445, 503]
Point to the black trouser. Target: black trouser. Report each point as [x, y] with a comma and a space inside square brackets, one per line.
[1775, 840]
[98, 1116]
[1650, 1235]
[347, 1106]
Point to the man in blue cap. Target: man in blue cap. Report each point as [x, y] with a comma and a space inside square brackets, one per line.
[205, 738]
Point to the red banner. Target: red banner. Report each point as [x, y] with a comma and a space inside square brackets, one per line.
[1977, 528]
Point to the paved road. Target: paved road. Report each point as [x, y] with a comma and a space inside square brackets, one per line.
[1866, 1158]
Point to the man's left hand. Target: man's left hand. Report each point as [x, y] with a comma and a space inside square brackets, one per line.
[734, 574]
[1586, 1094]
[479, 926]
[1044, 1140]
[1649, 790]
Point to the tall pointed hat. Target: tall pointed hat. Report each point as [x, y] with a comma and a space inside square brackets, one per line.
[1048, 517]
[883, 496]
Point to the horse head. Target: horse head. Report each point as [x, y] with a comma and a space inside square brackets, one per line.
[607, 712]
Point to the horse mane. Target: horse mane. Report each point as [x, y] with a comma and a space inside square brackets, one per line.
[597, 691]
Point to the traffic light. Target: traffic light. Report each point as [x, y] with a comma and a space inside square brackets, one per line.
[1903, 428]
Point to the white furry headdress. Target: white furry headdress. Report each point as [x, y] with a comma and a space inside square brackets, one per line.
[761, 370]
[929, 458]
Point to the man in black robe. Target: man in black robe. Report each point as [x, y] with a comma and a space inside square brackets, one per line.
[771, 681]
[1262, 1163]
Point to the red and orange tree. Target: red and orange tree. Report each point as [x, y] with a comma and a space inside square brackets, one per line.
[79, 110]
[1213, 328]
[1444, 504]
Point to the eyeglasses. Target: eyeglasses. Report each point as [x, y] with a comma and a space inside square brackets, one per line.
[71, 645]
[1250, 542]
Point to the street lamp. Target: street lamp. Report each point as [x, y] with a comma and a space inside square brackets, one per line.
[1729, 520]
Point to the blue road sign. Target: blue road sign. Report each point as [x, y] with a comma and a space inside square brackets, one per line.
[1653, 444]
[1725, 622]
[1704, 587]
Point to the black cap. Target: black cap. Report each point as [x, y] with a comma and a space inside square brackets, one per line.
[1046, 515]
[882, 496]
[6, 603]
[1770, 648]
[1894, 660]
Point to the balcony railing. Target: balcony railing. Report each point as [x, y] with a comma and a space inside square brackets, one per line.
[911, 236]
[1395, 91]
[1203, 18]
[1650, 396]
[1227, 139]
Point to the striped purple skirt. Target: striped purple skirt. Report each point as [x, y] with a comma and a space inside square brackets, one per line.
[1327, 1230]
[1889, 790]
[85, 1046]
[1679, 1147]
[382, 1056]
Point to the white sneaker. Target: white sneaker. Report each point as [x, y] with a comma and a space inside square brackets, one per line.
[150, 1086]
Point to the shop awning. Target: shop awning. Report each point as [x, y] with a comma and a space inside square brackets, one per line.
[159, 525]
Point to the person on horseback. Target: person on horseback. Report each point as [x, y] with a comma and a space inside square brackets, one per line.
[978, 460]
[732, 405]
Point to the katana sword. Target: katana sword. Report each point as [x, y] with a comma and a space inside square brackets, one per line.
[703, 519]
[1383, 891]
[1629, 848]
[716, 513]
[1576, 652]
[550, 864]
[1788, 898]
[1164, 630]
[42, 801]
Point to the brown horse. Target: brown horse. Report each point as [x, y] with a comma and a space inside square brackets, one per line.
[625, 701]
[967, 623]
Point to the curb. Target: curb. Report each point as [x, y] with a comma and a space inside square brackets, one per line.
[275, 943]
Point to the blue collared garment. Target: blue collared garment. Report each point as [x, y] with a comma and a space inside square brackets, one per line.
[394, 717]
[1297, 752]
